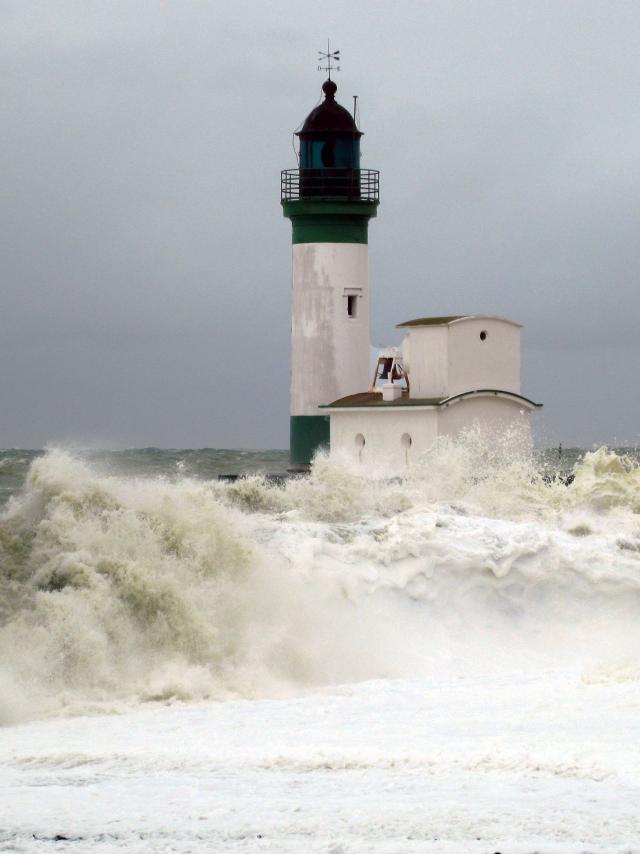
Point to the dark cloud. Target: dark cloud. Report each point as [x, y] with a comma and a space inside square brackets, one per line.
[146, 263]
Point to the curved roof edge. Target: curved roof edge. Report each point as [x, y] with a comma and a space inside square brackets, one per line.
[454, 318]
[373, 400]
[491, 392]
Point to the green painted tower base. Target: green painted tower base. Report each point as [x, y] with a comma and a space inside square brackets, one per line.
[307, 434]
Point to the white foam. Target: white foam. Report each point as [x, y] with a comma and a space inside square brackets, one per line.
[121, 590]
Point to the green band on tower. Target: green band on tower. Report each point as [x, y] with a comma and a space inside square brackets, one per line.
[329, 222]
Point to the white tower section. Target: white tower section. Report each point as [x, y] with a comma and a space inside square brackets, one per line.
[329, 324]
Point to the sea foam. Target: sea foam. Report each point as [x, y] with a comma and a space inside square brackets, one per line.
[118, 590]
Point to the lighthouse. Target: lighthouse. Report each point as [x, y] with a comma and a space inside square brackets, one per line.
[329, 200]
[453, 373]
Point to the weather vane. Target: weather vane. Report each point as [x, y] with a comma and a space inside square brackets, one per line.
[327, 56]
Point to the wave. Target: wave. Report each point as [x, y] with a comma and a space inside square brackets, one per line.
[117, 589]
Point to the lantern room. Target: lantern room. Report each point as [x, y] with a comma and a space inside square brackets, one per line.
[329, 138]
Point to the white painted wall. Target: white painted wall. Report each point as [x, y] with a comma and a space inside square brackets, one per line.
[329, 349]
[425, 355]
[492, 363]
[383, 430]
[451, 359]
[496, 416]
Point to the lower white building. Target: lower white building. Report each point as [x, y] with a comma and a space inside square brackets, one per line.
[452, 374]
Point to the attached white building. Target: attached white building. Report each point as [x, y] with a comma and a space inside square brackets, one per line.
[458, 372]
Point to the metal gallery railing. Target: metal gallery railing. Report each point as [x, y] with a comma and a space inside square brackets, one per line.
[361, 185]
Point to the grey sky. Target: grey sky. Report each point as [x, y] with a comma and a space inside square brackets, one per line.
[146, 262]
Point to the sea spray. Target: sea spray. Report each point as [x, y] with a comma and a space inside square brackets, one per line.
[118, 590]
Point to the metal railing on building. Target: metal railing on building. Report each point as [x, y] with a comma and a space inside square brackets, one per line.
[361, 185]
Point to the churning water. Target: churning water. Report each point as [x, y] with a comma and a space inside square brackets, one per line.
[340, 663]
[137, 577]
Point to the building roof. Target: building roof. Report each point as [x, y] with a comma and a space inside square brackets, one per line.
[373, 399]
[453, 318]
[329, 115]
[431, 321]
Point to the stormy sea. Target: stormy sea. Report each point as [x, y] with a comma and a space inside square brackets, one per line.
[342, 662]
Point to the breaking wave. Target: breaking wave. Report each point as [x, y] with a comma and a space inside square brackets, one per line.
[117, 589]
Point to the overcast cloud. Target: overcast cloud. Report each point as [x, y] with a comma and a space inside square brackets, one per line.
[146, 262]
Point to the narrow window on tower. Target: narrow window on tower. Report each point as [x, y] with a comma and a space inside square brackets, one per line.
[352, 298]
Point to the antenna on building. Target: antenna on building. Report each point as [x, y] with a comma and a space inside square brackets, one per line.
[327, 56]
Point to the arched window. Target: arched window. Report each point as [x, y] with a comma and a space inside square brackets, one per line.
[406, 442]
[360, 443]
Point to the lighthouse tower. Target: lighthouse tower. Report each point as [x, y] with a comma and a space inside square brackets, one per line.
[329, 200]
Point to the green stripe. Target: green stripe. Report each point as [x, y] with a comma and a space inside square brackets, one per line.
[324, 229]
[329, 222]
[307, 433]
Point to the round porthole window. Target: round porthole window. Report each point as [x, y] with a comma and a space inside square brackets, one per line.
[483, 335]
